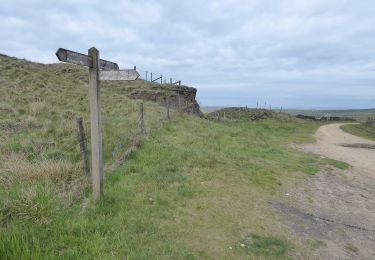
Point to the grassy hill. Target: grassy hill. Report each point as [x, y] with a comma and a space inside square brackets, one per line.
[197, 188]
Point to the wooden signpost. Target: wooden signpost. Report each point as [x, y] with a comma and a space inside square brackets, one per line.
[98, 70]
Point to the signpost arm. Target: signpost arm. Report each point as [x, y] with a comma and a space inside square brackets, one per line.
[96, 131]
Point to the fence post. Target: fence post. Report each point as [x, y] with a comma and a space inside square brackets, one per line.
[146, 75]
[83, 147]
[96, 130]
[141, 119]
[151, 76]
[161, 79]
[167, 105]
[170, 80]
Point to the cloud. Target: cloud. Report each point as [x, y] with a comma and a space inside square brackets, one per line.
[234, 51]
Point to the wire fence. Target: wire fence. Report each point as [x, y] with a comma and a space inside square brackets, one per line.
[41, 154]
[157, 78]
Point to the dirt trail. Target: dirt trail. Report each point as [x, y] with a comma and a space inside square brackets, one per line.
[338, 206]
[330, 141]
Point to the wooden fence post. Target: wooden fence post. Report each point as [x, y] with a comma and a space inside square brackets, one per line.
[141, 119]
[146, 75]
[170, 80]
[83, 147]
[151, 76]
[96, 130]
[167, 105]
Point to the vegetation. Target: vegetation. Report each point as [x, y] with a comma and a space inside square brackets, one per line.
[247, 114]
[365, 130]
[357, 114]
[197, 188]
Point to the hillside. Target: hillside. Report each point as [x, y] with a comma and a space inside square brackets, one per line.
[196, 187]
[42, 101]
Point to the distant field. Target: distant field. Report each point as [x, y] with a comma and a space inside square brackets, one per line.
[207, 110]
[358, 114]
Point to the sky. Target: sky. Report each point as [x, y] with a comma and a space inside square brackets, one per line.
[290, 53]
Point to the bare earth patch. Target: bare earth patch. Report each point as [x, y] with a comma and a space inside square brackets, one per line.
[338, 206]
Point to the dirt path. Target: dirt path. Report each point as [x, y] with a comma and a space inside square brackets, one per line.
[331, 142]
[337, 211]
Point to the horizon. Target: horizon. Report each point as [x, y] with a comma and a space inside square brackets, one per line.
[292, 54]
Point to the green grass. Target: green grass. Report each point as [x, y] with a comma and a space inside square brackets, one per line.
[194, 190]
[362, 130]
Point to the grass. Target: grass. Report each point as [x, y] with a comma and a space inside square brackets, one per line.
[195, 189]
[363, 130]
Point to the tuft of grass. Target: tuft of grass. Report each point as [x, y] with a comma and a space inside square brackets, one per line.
[34, 204]
[19, 168]
[351, 248]
[37, 107]
[267, 246]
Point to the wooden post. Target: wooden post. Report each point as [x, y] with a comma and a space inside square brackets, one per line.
[167, 105]
[170, 80]
[161, 79]
[83, 147]
[146, 75]
[141, 119]
[96, 131]
[151, 76]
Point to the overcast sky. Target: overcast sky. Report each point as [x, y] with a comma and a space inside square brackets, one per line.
[291, 53]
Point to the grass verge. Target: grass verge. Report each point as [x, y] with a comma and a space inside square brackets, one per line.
[362, 130]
